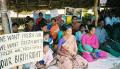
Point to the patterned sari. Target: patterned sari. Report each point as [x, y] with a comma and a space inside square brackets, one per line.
[69, 47]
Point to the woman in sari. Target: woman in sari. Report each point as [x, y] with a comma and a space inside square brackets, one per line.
[91, 46]
[67, 51]
[54, 29]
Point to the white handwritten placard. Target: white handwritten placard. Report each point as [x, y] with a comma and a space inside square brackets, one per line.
[20, 48]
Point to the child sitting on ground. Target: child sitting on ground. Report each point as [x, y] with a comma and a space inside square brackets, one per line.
[47, 58]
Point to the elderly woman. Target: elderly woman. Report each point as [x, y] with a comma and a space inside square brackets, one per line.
[67, 51]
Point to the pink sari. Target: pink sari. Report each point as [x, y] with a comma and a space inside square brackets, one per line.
[91, 46]
[69, 47]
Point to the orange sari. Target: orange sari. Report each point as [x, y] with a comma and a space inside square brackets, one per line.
[54, 31]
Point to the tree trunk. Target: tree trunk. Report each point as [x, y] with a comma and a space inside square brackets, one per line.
[5, 23]
[96, 11]
[17, 16]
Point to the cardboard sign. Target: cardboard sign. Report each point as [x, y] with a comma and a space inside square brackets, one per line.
[20, 48]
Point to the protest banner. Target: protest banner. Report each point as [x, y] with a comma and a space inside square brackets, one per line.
[78, 13]
[48, 17]
[103, 2]
[20, 48]
[54, 13]
[69, 10]
[35, 16]
[68, 19]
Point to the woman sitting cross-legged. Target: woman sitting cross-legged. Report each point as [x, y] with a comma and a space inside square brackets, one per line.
[67, 51]
[91, 46]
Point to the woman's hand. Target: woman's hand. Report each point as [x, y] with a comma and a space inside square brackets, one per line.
[74, 56]
[74, 53]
